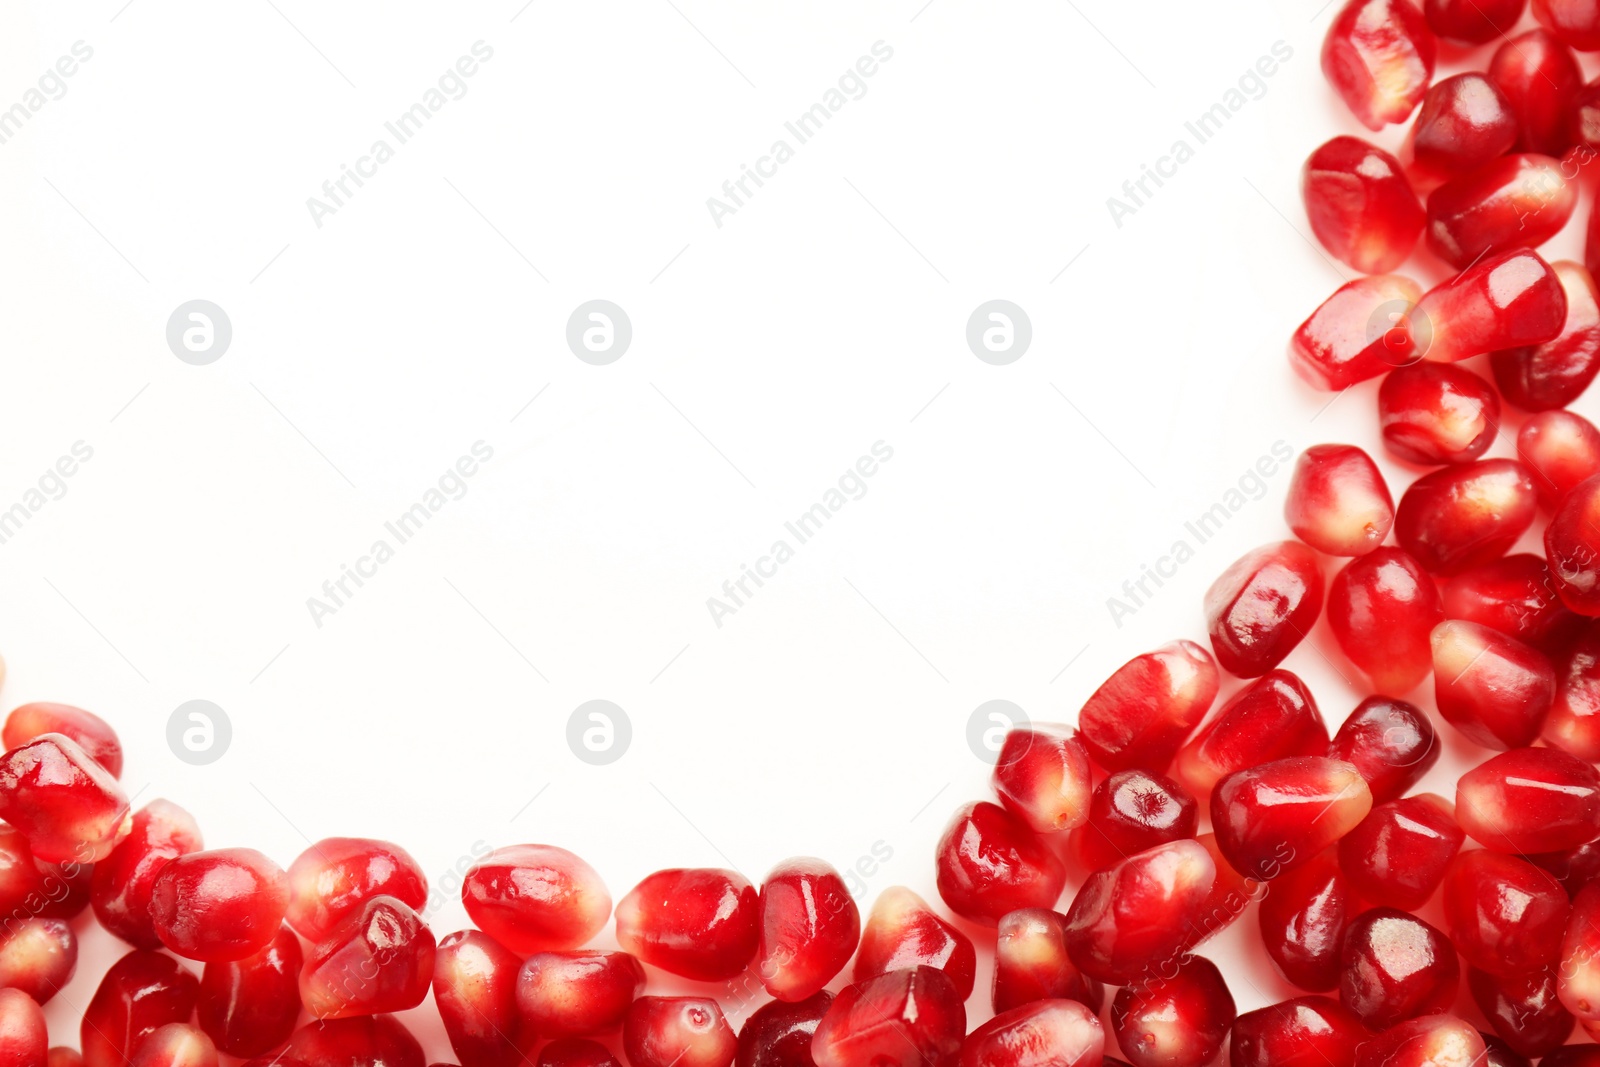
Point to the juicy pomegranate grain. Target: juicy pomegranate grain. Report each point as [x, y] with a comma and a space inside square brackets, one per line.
[368, 1041]
[1433, 1041]
[1391, 743]
[1555, 373]
[475, 987]
[1132, 811]
[120, 890]
[810, 925]
[1401, 851]
[1574, 868]
[1574, 721]
[1561, 449]
[1523, 1009]
[1230, 895]
[1539, 77]
[1141, 714]
[1437, 413]
[901, 1019]
[220, 905]
[379, 959]
[1361, 331]
[1573, 1056]
[1042, 775]
[1142, 912]
[1306, 1032]
[573, 1052]
[1273, 717]
[37, 956]
[663, 1031]
[69, 807]
[1515, 202]
[1465, 121]
[1361, 205]
[903, 932]
[142, 992]
[1176, 1021]
[1275, 817]
[1378, 56]
[699, 923]
[29, 722]
[1031, 963]
[176, 1045]
[1382, 608]
[1491, 687]
[1303, 921]
[1472, 21]
[534, 898]
[330, 880]
[249, 1006]
[30, 887]
[1575, 23]
[1338, 502]
[1572, 545]
[989, 863]
[1515, 595]
[1046, 1033]
[1504, 300]
[1578, 976]
[577, 994]
[1504, 915]
[61, 1056]
[1530, 800]
[1262, 606]
[23, 1040]
[1396, 967]
[779, 1034]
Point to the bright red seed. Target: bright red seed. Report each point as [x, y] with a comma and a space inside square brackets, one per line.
[30, 887]
[577, 994]
[1472, 21]
[1401, 851]
[1432, 1041]
[368, 1041]
[120, 890]
[989, 863]
[1272, 818]
[1575, 23]
[1361, 205]
[1142, 713]
[1306, 1032]
[142, 992]
[1382, 608]
[1361, 331]
[809, 926]
[1046, 1033]
[1303, 920]
[1391, 743]
[475, 988]
[1142, 912]
[1572, 545]
[570, 1052]
[220, 905]
[29, 722]
[1396, 967]
[1539, 76]
[1561, 448]
[901, 1019]
[903, 932]
[1177, 1020]
[1514, 202]
[1515, 595]
[1338, 502]
[1437, 413]
[1465, 516]
[536, 898]
[779, 1034]
[1504, 300]
[1261, 607]
[1378, 56]
[1465, 121]
[38, 956]
[688, 1031]
[249, 1006]
[69, 807]
[1578, 976]
[1132, 811]
[379, 959]
[62, 1056]
[330, 880]
[1031, 963]
[1504, 915]
[1554, 373]
[1523, 1009]
[1492, 687]
[1043, 776]
[1273, 717]
[176, 1045]
[1574, 721]
[1230, 895]
[699, 923]
[1530, 800]
[23, 1040]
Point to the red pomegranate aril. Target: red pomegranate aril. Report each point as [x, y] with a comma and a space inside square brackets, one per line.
[366, 1041]
[1576, 23]
[989, 863]
[1515, 202]
[378, 960]
[1433, 1041]
[1539, 77]
[1132, 811]
[1396, 967]
[220, 905]
[1572, 546]
[810, 925]
[1578, 976]
[1555, 373]
[1467, 22]
[1503, 300]
[1437, 413]
[1361, 205]
[1361, 331]
[29, 722]
[1140, 716]
[577, 994]
[1401, 851]
[1515, 595]
[1504, 915]
[68, 806]
[1042, 775]
[779, 1034]
[1391, 743]
[249, 1006]
[1574, 868]
[1561, 448]
[1523, 1009]
[1464, 123]
[142, 992]
[903, 932]
[120, 890]
[1305, 1032]
[23, 1040]
[573, 1052]
[175, 1045]
[536, 898]
[1303, 921]
[1046, 1033]
[1177, 1020]
[1573, 1056]
[1141, 912]
[663, 1031]
[1490, 686]
[1338, 502]
[1465, 516]
[1275, 817]
[1574, 721]
[900, 1019]
[1378, 56]
[1262, 606]
[1382, 608]
[330, 880]
[1273, 717]
[1230, 895]
[475, 988]
[1530, 800]
[1031, 963]
[61, 1056]
[31, 887]
[699, 923]
[37, 956]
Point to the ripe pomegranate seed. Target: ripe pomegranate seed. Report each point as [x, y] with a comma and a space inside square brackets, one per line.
[1361, 205]
[1382, 608]
[901, 1019]
[1465, 516]
[1046, 1033]
[699, 923]
[142, 992]
[1338, 502]
[575, 1052]
[1437, 413]
[1572, 545]
[1401, 850]
[1230, 895]
[1515, 595]
[1493, 688]
[30, 887]
[475, 987]
[536, 898]
[1141, 912]
[1042, 776]
[577, 994]
[1132, 811]
[1273, 717]
[1306, 1032]
[1433, 1041]
[1464, 123]
[1574, 868]
[1578, 976]
[779, 1034]
[1262, 605]
[367, 1041]
[1361, 331]
[1179, 1020]
[1506, 299]
[1142, 713]
[1539, 76]
[1514, 202]
[1530, 800]
[68, 806]
[1275, 817]
[175, 1045]
[1467, 22]
[989, 863]
[1391, 743]
[903, 932]
[810, 924]
[1303, 921]
[1573, 1056]
[379, 959]
[1396, 967]
[1031, 963]
[663, 1031]
[249, 1006]
[1574, 721]
[23, 1040]
[1504, 915]
[330, 880]
[1576, 23]
[120, 890]
[29, 722]
[1561, 449]
[220, 905]
[1378, 56]
[1555, 373]
[1523, 1009]
[62, 1056]
[38, 956]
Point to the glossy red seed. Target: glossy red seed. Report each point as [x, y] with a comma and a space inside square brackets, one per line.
[1391, 743]
[379, 959]
[69, 807]
[176, 1045]
[1396, 967]
[1142, 912]
[574, 1052]
[1574, 22]
[30, 887]
[249, 1006]
[1303, 920]
[1230, 895]
[1043, 776]
[29, 722]
[23, 1041]
[1578, 976]
[810, 924]
[1142, 713]
[700, 923]
[1574, 721]
[1523, 1009]
[1401, 850]
[1338, 502]
[122, 882]
[1046, 1033]
[1273, 717]
[1179, 1020]
[1503, 914]
[574, 994]
[1515, 595]
[220, 905]
[1361, 331]
[1472, 21]
[1530, 800]
[1382, 608]
[901, 1019]
[1464, 123]
[1306, 1032]
[1515, 202]
[1132, 811]
[1555, 373]
[663, 1031]
[1261, 607]
[475, 988]
[38, 956]
[1506, 299]
[1434, 1041]
[1378, 56]
[1275, 817]
[1574, 868]
[535, 898]
[1539, 76]
[1573, 1056]
[1491, 687]
[903, 932]
[1031, 963]
[1561, 448]
[1437, 413]
[142, 992]
[61, 1056]
[1572, 545]
[368, 1041]
[1465, 516]
[779, 1034]
[1361, 205]
[990, 862]
[335, 876]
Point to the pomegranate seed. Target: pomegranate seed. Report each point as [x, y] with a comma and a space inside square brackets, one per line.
[1360, 205]
[903, 932]
[1464, 123]
[536, 898]
[1518, 201]
[576, 994]
[330, 881]
[1396, 967]
[1179, 1020]
[1132, 811]
[990, 863]
[1042, 776]
[120, 890]
[699, 923]
[142, 992]
[1361, 331]
[23, 1040]
[1433, 1041]
[380, 959]
[1382, 608]
[1493, 688]
[221, 905]
[1462, 517]
[367, 1041]
[1275, 817]
[901, 1019]
[1539, 76]
[1303, 922]
[1574, 721]
[1572, 545]
[1515, 595]
[779, 1034]
[30, 887]
[1574, 868]
[1046, 1033]
[1578, 977]
[1466, 22]
[1273, 717]
[1504, 300]
[1391, 743]
[1554, 373]
[1573, 1056]
[38, 956]
[1338, 502]
[1530, 800]
[1437, 413]
[810, 924]
[1143, 712]
[1576, 23]
[575, 1052]
[1504, 915]
[1307, 1032]
[1378, 56]
[68, 806]
[1523, 1009]
[475, 986]
[1230, 895]
[62, 1056]
[663, 1031]
[1561, 449]
[1262, 605]
[1031, 963]
[175, 1045]
[1400, 852]
[249, 1006]
[1140, 912]
[94, 735]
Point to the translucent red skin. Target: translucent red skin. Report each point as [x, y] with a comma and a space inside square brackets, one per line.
[779, 1034]
[1573, 1056]
[1472, 21]
[1277, 816]
[93, 734]
[653, 1025]
[536, 898]
[1304, 1032]
[1503, 914]
[577, 994]
[1523, 1009]
[175, 1045]
[1506, 299]
[1574, 721]
[120, 890]
[1142, 713]
[1465, 121]
[1574, 868]
[1043, 776]
[1231, 894]
[1262, 606]
[1530, 800]
[1193, 1000]
[30, 887]
[1539, 77]
[1391, 743]
[1046, 1033]
[810, 927]
[1361, 331]
[1516, 595]
[1382, 607]
[335, 876]
[368, 1040]
[1499, 1054]
[475, 989]
[220, 905]
[249, 1007]
[1401, 850]
[1332, 487]
[1572, 547]
[23, 1038]
[1131, 811]
[1303, 921]
[1427, 411]
[142, 992]
[575, 1052]
[1374, 42]
[1575, 23]
[1578, 977]
[51, 790]
[1360, 205]
[1273, 717]
[1492, 688]
[379, 959]
[989, 863]
[1465, 516]
[67, 1057]
[1516, 201]
[1141, 913]
[37, 956]
[1555, 373]
[1561, 448]
[1031, 963]
[1396, 967]
[700, 923]
[902, 932]
[1414, 1042]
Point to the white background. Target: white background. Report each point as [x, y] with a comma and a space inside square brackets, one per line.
[829, 714]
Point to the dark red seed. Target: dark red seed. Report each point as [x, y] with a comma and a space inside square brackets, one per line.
[1539, 76]
[1515, 595]
[1132, 811]
[572, 1052]
[1437, 413]
[1382, 608]
[990, 863]
[1555, 373]
[30, 887]
[1306, 1032]
[1401, 851]
[1303, 920]
[1523, 1009]
[1465, 516]
[378, 960]
[1499, 1054]
[1361, 205]
[1140, 716]
[142, 992]
[1391, 743]
[1396, 967]
[1464, 122]
[1504, 915]
[1493, 688]
[1574, 721]
[1578, 976]
[1472, 21]
[1574, 868]
[779, 1034]
[249, 1006]
[1262, 606]
[1378, 56]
